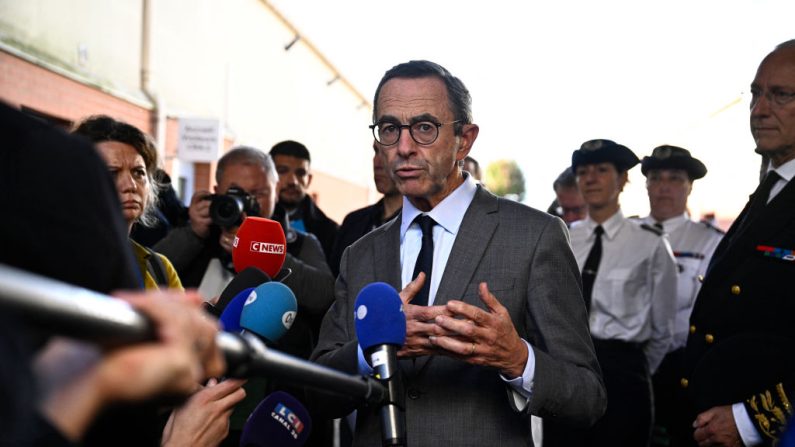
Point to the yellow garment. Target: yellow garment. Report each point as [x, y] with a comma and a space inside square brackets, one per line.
[141, 255]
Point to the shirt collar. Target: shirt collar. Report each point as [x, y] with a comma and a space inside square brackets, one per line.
[449, 213]
[671, 224]
[611, 225]
[786, 171]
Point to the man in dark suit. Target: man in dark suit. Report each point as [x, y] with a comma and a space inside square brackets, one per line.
[496, 326]
[364, 220]
[739, 363]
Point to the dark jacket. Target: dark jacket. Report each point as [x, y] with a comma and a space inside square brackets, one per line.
[315, 222]
[741, 342]
[355, 225]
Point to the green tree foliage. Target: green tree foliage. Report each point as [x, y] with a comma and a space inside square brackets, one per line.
[505, 179]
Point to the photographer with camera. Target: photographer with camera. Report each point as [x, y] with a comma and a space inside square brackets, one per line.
[246, 186]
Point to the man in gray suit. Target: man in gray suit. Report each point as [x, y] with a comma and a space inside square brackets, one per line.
[500, 331]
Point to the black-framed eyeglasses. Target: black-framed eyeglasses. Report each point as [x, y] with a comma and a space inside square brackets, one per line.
[422, 132]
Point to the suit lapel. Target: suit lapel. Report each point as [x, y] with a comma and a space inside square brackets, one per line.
[386, 253]
[770, 221]
[474, 235]
[473, 238]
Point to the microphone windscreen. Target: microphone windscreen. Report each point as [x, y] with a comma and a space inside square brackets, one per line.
[230, 317]
[379, 317]
[269, 311]
[279, 419]
[259, 243]
[250, 277]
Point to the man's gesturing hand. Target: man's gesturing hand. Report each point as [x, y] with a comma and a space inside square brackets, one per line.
[481, 337]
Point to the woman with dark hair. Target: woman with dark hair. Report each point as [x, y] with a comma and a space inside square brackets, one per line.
[131, 157]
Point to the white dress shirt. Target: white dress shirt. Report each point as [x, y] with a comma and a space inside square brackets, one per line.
[634, 293]
[693, 244]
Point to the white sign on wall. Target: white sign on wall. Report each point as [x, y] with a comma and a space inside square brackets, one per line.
[199, 139]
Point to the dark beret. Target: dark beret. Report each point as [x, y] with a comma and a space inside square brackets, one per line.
[672, 157]
[601, 151]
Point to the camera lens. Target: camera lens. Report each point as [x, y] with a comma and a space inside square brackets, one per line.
[225, 211]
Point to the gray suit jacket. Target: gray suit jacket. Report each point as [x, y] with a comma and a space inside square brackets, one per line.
[524, 256]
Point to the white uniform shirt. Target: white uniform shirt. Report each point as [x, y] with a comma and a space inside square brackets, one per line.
[634, 293]
[693, 244]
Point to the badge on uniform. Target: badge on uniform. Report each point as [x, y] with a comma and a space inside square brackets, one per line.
[784, 254]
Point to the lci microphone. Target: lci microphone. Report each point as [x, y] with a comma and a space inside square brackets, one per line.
[259, 243]
[279, 420]
[269, 311]
[381, 330]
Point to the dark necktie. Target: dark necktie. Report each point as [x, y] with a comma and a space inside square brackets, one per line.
[592, 266]
[424, 259]
[759, 200]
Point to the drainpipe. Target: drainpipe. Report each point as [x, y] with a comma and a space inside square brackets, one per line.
[158, 111]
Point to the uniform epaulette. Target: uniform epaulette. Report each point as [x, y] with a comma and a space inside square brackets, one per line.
[654, 230]
[713, 227]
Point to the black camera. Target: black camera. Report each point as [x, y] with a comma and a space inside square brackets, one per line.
[226, 210]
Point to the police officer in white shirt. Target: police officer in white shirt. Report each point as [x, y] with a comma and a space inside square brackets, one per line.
[629, 284]
[670, 172]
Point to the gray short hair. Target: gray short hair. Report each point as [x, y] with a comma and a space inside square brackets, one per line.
[246, 155]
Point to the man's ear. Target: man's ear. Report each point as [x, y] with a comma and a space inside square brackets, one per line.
[308, 179]
[467, 138]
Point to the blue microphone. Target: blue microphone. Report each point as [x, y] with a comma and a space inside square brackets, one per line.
[230, 317]
[279, 419]
[381, 330]
[269, 311]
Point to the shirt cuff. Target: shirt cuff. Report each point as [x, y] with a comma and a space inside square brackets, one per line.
[364, 367]
[522, 386]
[745, 427]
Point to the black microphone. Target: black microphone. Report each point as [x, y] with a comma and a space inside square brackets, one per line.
[63, 309]
[249, 277]
[381, 330]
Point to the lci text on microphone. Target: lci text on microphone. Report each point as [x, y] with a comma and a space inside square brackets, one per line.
[279, 420]
[381, 330]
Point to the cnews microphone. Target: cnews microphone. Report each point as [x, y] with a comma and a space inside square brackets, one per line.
[381, 330]
[279, 419]
[250, 277]
[259, 243]
[230, 317]
[269, 311]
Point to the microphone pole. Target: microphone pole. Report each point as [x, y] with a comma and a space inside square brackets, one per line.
[393, 410]
[72, 311]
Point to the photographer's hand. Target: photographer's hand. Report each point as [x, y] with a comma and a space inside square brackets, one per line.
[199, 213]
[227, 238]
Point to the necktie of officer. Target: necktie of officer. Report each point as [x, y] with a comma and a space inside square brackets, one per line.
[592, 266]
[424, 259]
